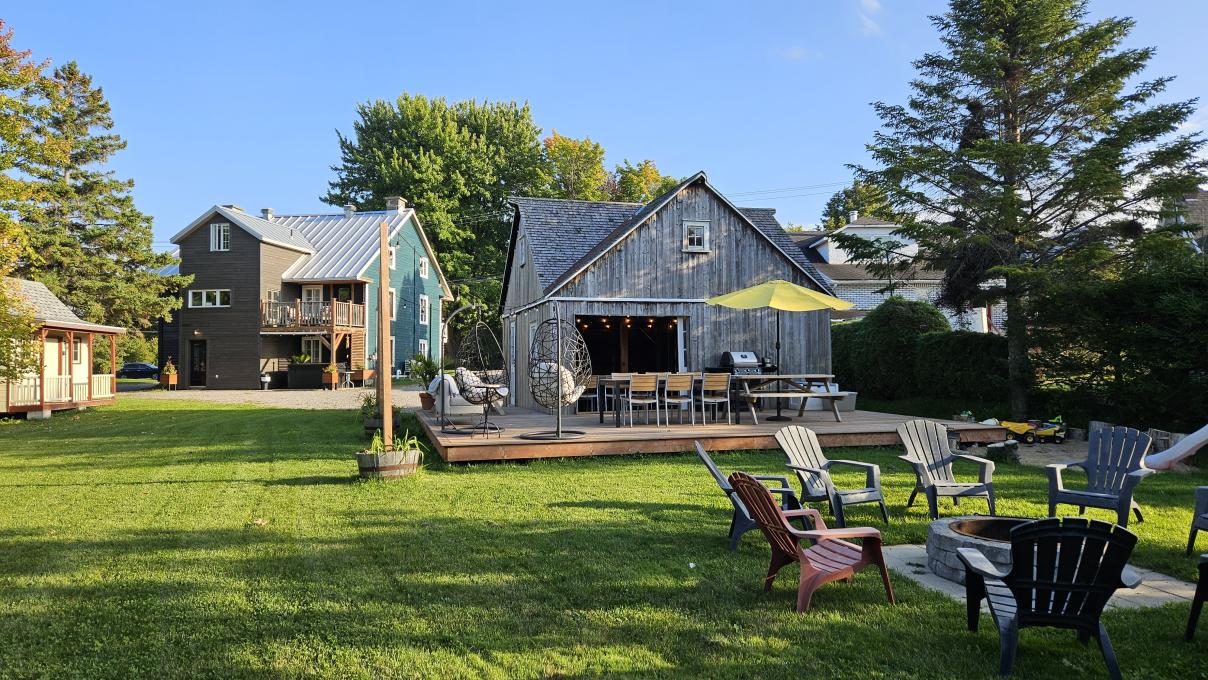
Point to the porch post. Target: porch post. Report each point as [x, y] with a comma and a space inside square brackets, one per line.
[71, 365]
[42, 370]
[384, 374]
[90, 366]
[113, 364]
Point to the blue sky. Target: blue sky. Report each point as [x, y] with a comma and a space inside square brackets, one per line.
[238, 102]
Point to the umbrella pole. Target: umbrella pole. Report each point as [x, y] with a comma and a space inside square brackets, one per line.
[779, 402]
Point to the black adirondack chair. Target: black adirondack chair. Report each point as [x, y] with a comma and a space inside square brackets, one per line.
[1199, 516]
[800, 446]
[1197, 602]
[1064, 570]
[742, 522]
[928, 452]
[1114, 465]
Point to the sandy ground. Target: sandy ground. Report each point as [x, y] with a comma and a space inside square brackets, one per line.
[348, 398]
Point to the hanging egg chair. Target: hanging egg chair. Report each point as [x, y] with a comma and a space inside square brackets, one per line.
[559, 366]
[481, 374]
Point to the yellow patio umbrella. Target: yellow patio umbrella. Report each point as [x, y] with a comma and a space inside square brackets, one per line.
[781, 296]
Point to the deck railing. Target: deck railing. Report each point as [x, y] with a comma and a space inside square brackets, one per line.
[318, 315]
[59, 390]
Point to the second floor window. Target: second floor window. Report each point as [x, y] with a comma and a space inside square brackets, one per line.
[423, 347]
[220, 237]
[423, 310]
[210, 298]
[423, 267]
[696, 237]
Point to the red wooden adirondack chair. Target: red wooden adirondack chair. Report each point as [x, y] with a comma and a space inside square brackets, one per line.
[830, 558]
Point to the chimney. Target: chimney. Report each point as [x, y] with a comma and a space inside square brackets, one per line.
[349, 210]
[267, 213]
[853, 216]
[396, 204]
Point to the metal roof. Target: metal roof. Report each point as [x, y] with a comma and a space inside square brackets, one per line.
[260, 229]
[344, 247]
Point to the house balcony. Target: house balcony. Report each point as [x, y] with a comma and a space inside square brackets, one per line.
[311, 317]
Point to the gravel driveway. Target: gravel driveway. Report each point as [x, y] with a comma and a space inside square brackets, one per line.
[348, 398]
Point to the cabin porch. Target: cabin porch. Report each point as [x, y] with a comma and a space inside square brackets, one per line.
[65, 378]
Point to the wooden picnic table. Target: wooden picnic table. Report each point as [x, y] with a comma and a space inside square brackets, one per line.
[790, 385]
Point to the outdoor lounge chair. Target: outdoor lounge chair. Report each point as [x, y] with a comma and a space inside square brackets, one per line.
[1197, 601]
[805, 457]
[830, 558]
[1199, 516]
[1114, 465]
[928, 452]
[741, 522]
[1064, 570]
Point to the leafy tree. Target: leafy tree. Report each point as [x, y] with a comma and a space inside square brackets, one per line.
[88, 242]
[863, 198]
[577, 166]
[1029, 136]
[456, 165]
[19, 78]
[888, 336]
[639, 183]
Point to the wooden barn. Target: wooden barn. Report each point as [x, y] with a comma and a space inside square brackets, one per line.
[634, 278]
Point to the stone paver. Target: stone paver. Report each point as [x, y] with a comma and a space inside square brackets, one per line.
[349, 398]
[1156, 588]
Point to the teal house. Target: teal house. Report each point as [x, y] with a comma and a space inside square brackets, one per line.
[277, 299]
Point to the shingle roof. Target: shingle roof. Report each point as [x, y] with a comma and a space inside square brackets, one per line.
[566, 235]
[869, 220]
[859, 272]
[49, 309]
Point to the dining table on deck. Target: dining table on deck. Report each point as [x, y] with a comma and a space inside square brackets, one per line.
[786, 386]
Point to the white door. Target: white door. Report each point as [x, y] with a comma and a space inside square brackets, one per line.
[512, 366]
[681, 342]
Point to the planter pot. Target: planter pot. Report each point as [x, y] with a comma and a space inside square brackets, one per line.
[168, 380]
[305, 376]
[426, 401]
[388, 465]
[330, 379]
[373, 424]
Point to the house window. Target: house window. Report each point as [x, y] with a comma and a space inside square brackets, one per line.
[393, 304]
[423, 310]
[423, 267]
[209, 298]
[312, 293]
[423, 347]
[220, 237]
[274, 296]
[696, 237]
[393, 258]
[312, 346]
[77, 351]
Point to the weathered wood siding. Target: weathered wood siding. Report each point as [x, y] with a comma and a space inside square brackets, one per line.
[651, 263]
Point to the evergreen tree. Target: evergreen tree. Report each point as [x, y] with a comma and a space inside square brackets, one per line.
[864, 198]
[19, 79]
[88, 242]
[1028, 137]
[577, 166]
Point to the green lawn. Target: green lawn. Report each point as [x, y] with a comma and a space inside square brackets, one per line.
[175, 539]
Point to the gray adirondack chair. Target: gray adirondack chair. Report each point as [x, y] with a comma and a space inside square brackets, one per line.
[1199, 517]
[1197, 602]
[928, 452]
[1063, 572]
[742, 522]
[805, 457]
[1114, 465]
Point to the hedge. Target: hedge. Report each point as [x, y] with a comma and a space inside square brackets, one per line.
[881, 347]
[961, 365]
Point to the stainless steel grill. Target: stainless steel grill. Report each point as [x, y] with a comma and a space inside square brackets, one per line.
[741, 363]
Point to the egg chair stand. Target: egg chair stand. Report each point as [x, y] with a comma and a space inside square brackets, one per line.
[559, 366]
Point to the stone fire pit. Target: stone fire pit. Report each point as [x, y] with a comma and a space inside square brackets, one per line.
[990, 535]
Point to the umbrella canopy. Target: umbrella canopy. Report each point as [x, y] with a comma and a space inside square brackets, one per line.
[779, 294]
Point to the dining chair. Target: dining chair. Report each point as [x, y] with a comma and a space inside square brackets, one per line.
[643, 391]
[715, 391]
[591, 392]
[679, 389]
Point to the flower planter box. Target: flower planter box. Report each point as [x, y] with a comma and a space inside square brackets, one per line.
[168, 381]
[426, 401]
[388, 465]
[330, 379]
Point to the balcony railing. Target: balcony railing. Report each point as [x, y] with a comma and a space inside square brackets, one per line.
[311, 315]
[59, 390]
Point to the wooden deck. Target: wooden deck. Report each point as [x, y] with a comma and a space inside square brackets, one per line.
[859, 428]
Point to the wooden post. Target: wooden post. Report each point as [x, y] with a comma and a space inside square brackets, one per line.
[42, 370]
[71, 365]
[383, 364]
[89, 364]
[113, 364]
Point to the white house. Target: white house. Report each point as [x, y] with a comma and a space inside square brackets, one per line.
[856, 284]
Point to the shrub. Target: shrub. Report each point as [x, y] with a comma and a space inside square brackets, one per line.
[845, 350]
[887, 342]
[961, 365]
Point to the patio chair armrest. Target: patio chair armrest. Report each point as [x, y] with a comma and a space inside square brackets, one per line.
[819, 472]
[784, 481]
[920, 469]
[1201, 500]
[872, 471]
[1132, 479]
[813, 514]
[856, 463]
[977, 563]
[846, 532]
[1129, 578]
[987, 466]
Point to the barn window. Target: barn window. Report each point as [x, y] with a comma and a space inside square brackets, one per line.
[696, 237]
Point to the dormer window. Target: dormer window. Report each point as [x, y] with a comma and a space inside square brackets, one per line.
[220, 237]
[696, 237]
[423, 267]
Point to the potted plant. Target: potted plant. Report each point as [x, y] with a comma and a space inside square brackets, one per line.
[167, 375]
[369, 413]
[331, 375]
[401, 459]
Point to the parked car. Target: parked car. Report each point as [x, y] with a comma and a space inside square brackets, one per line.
[138, 370]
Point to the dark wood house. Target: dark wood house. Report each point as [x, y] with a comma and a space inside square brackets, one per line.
[634, 278]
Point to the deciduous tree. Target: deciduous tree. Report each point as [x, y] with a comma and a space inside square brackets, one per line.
[639, 183]
[577, 166]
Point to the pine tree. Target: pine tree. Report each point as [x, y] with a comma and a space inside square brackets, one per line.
[88, 242]
[1026, 138]
[862, 198]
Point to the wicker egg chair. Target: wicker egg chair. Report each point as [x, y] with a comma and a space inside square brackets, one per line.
[481, 374]
[559, 366]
